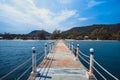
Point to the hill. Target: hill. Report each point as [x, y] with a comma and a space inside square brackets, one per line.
[96, 31]
[40, 34]
[35, 32]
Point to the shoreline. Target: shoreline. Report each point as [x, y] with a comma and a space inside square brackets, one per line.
[54, 39]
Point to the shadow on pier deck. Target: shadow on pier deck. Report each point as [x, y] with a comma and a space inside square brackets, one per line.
[60, 64]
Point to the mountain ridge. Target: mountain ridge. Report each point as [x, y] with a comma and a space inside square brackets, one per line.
[95, 31]
[87, 28]
[108, 30]
[35, 32]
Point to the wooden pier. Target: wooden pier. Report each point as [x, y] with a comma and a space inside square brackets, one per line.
[60, 64]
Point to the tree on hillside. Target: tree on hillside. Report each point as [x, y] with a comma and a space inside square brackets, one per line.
[55, 34]
[118, 35]
[41, 35]
[102, 33]
[99, 34]
[94, 34]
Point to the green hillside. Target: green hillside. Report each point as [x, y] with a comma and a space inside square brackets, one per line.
[97, 31]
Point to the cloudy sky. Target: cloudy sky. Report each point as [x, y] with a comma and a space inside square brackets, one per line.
[23, 16]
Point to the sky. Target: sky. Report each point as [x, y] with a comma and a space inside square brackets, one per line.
[24, 16]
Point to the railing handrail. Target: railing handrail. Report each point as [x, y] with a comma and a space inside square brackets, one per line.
[27, 69]
[27, 61]
[105, 70]
[83, 59]
[15, 68]
[24, 73]
[83, 54]
[99, 73]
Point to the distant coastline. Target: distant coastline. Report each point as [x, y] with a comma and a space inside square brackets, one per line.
[91, 32]
[53, 39]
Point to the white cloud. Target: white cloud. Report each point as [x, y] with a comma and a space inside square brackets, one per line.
[54, 20]
[26, 12]
[92, 3]
[13, 14]
[83, 19]
[64, 15]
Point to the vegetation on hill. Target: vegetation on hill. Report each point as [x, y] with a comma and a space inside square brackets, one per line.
[40, 34]
[36, 34]
[98, 31]
[56, 34]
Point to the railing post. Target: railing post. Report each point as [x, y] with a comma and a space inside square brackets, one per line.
[45, 49]
[33, 61]
[91, 60]
[50, 46]
[78, 48]
[77, 51]
[53, 44]
[72, 47]
[69, 45]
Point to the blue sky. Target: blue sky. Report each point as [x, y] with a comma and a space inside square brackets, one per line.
[23, 16]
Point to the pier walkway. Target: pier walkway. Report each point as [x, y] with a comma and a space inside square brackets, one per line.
[60, 64]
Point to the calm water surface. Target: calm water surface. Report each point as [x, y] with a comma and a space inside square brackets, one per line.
[107, 53]
[13, 53]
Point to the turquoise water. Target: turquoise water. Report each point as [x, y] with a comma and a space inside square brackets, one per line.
[13, 53]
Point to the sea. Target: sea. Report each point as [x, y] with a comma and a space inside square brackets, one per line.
[15, 52]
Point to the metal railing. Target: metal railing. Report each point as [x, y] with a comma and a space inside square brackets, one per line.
[48, 48]
[91, 61]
